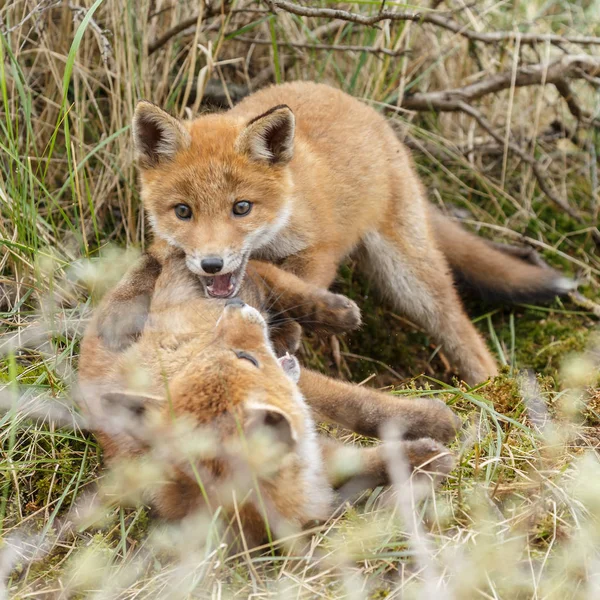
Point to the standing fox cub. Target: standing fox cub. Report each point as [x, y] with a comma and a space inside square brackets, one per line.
[302, 175]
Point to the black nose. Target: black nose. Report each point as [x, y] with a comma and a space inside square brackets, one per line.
[235, 302]
[212, 264]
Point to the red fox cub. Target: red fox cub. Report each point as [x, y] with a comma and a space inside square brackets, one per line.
[208, 365]
[302, 174]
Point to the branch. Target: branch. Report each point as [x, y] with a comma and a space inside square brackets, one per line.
[333, 47]
[533, 163]
[163, 39]
[581, 114]
[556, 72]
[191, 21]
[434, 19]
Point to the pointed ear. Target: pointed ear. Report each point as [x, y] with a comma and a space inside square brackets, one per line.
[272, 421]
[269, 137]
[157, 136]
[290, 366]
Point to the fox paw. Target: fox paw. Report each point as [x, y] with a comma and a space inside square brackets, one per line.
[286, 337]
[428, 456]
[335, 313]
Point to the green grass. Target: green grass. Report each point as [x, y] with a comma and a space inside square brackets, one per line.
[519, 516]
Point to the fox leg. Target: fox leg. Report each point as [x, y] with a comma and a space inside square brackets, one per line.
[288, 297]
[413, 274]
[366, 411]
[124, 310]
[317, 265]
[352, 469]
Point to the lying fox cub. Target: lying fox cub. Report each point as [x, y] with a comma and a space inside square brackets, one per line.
[249, 415]
[302, 174]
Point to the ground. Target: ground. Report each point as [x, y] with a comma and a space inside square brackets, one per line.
[517, 518]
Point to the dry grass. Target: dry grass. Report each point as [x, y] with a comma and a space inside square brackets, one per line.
[519, 516]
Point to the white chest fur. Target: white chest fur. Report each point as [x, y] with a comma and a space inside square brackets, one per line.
[283, 241]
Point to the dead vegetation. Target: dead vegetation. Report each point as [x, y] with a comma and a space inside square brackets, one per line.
[499, 102]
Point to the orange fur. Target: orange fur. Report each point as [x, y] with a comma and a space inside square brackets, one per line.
[184, 365]
[326, 176]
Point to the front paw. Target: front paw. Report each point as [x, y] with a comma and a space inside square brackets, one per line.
[427, 456]
[335, 313]
[285, 337]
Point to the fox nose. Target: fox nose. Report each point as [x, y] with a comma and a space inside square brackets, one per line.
[212, 264]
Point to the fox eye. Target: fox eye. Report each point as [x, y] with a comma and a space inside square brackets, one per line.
[241, 208]
[183, 212]
[245, 356]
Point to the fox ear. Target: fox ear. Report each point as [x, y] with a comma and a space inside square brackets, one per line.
[269, 137]
[157, 136]
[290, 366]
[272, 421]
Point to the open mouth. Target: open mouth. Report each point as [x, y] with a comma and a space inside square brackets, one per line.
[222, 286]
[226, 285]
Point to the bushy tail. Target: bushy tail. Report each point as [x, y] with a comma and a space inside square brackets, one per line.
[493, 273]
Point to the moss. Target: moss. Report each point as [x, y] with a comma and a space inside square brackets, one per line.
[379, 594]
[140, 527]
[504, 393]
[544, 337]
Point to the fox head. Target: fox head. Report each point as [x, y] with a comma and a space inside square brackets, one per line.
[217, 188]
[233, 417]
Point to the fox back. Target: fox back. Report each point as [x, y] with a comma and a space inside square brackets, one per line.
[302, 174]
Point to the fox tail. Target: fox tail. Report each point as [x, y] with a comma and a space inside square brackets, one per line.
[496, 274]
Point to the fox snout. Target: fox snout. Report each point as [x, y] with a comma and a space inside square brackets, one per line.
[209, 264]
[222, 274]
[238, 315]
[212, 264]
[235, 302]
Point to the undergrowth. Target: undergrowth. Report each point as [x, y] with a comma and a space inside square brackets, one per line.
[519, 516]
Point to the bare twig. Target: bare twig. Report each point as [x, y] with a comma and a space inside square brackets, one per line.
[556, 72]
[106, 52]
[332, 47]
[434, 19]
[38, 10]
[564, 89]
[171, 33]
[532, 162]
[266, 74]
[580, 300]
[191, 21]
[595, 81]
